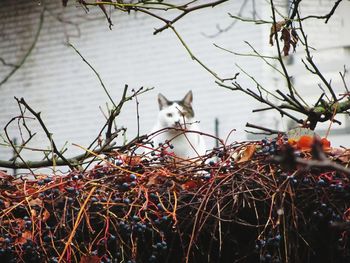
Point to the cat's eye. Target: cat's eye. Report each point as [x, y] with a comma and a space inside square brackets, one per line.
[169, 115]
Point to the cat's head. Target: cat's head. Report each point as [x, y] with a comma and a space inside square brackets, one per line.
[177, 113]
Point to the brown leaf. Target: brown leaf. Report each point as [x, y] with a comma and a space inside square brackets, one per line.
[189, 185]
[36, 201]
[90, 259]
[152, 180]
[247, 153]
[287, 41]
[275, 28]
[290, 38]
[132, 160]
[26, 235]
[45, 215]
[7, 204]
[20, 223]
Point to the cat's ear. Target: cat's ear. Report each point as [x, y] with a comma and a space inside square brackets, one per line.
[187, 100]
[162, 101]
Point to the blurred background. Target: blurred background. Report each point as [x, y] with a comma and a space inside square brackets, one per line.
[57, 82]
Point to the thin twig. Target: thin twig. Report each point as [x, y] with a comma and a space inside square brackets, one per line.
[48, 134]
[96, 73]
[287, 77]
[310, 60]
[327, 16]
[270, 131]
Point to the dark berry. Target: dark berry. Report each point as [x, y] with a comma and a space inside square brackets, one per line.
[47, 180]
[69, 189]
[133, 176]
[321, 182]
[152, 258]
[41, 182]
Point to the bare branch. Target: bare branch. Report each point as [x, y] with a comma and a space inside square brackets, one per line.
[186, 11]
[48, 134]
[309, 59]
[327, 16]
[266, 130]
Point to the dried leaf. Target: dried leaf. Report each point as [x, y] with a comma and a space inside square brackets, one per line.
[132, 160]
[45, 215]
[26, 235]
[7, 204]
[152, 180]
[247, 154]
[287, 41]
[90, 259]
[189, 185]
[290, 38]
[275, 28]
[36, 201]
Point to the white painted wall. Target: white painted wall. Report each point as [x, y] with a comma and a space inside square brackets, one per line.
[55, 81]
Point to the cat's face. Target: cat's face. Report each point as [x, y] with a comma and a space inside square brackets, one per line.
[175, 114]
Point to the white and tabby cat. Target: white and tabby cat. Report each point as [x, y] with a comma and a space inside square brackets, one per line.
[177, 120]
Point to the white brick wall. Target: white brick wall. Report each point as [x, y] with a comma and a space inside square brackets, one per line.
[55, 81]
